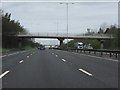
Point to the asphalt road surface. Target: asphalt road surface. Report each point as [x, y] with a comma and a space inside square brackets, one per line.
[57, 69]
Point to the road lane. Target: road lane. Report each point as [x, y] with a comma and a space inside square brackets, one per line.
[103, 70]
[44, 70]
[11, 60]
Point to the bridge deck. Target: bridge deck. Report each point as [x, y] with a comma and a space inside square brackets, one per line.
[65, 36]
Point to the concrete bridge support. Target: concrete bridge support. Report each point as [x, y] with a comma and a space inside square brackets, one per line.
[20, 42]
[61, 41]
[101, 44]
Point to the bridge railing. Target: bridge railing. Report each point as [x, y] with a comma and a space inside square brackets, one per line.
[65, 34]
[101, 52]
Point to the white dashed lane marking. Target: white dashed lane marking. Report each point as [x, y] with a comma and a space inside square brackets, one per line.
[63, 60]
[2, 75]
[28, 56]
[89, 74]
[21, 61]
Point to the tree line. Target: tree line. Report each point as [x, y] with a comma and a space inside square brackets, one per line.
[9, 29]
[108, 44]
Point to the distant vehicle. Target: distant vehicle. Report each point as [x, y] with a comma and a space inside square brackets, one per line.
[38, 47]
[41, 48]
[78, 45]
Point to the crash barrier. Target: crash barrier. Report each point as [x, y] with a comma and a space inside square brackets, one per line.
[111, 53]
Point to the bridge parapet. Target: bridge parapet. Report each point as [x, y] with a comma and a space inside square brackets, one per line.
[65, 35]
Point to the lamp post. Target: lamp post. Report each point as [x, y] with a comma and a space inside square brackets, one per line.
[67, 4]
[57, 31]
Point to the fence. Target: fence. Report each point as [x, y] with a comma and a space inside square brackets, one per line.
[102, 52]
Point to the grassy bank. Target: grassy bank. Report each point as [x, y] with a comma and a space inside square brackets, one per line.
[27, 48]
[9, 50]
[4, 50]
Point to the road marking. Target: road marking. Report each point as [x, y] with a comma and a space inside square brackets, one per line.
[2, 75]
[85, 72]
[56, 55]
[63, 60]
[109, 59]
[21, 61]
[97, 57]
[3, 56]
[13, 54]
[17, 52]
[28, 56]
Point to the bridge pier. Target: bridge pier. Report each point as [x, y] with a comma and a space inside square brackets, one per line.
[101, 43]
[20, 43]
[61, 41]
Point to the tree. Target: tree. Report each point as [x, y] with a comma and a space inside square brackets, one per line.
[100, 31]
[104, 26]
[112, 44]
[10, 28]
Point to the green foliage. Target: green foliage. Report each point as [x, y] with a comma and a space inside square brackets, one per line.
[108, 44]
[95, 44]
[112, 44]
[4, 50]
[11, 28]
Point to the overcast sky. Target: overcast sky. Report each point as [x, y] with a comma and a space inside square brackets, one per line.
[43, 17]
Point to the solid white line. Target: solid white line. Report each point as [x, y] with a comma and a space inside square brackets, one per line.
[85, 72]
[2, 75]
[13, 54]
[3, 56]
[17, 52]
[21, 61]
[63, 60]
[97, 57]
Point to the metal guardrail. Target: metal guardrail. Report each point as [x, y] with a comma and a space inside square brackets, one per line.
[116, 53]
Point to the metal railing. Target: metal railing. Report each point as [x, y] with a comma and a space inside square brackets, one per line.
[102, 52]
[69, 35]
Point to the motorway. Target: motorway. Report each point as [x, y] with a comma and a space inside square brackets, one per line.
[57, 69]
